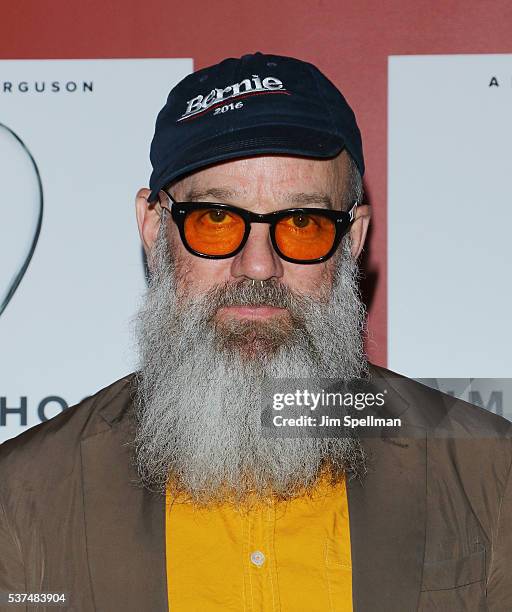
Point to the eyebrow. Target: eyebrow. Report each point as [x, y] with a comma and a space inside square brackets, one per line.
[225, 194]
[303, 198]
[199, 195]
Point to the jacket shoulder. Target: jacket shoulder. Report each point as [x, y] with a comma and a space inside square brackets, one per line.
[435, 410]
[53, 442]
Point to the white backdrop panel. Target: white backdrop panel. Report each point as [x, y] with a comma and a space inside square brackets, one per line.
[450, 215]
[65, 333]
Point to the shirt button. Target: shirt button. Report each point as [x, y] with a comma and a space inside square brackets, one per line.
[257, 558]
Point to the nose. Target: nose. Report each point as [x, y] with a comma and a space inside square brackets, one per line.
[258, 259]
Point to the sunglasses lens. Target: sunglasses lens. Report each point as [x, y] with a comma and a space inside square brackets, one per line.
[304, 236]
[214, 231]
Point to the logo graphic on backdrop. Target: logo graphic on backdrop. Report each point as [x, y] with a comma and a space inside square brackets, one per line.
[493, 394]
[21, 210]
[65, 327]
[43, 86]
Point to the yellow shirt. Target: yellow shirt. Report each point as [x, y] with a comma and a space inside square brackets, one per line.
[286, 556]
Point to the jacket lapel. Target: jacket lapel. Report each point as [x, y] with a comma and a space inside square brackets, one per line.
[124, 523]
[387, 517]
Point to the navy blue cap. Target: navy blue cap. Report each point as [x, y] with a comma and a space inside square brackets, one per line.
[258, 104]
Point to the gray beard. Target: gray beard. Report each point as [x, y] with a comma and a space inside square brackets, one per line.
[197, 398]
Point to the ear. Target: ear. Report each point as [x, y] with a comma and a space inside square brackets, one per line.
[359, 229]
[148, 219]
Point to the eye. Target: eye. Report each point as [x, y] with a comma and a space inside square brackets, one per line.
[217, 216]
[301, 220]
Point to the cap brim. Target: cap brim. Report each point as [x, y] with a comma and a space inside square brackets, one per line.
[261, 140]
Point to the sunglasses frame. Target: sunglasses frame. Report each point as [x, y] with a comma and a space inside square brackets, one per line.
[179, 210]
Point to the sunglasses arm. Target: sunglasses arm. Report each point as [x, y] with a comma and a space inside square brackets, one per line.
[352, 211]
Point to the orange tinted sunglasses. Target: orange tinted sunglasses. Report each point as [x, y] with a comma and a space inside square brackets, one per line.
[219, 231]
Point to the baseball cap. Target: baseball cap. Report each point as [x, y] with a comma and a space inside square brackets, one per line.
[253, 105]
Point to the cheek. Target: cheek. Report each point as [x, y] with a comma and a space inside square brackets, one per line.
[315, 280]
[196, 275]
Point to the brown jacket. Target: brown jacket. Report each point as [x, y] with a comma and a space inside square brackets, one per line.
[431, 524]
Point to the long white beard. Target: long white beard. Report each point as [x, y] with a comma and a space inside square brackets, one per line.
[197, 408]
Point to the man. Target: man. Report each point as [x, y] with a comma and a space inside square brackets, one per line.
[172, 489]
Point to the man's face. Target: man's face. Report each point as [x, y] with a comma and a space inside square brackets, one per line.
[209, 337]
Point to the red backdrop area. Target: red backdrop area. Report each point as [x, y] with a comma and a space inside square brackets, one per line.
[350, 41]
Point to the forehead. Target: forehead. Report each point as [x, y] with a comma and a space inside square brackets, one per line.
[272, 173]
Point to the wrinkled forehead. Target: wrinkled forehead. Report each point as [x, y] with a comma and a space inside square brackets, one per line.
[272, 176]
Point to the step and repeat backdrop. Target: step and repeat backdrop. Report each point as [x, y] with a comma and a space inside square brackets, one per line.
[436, 117]
[74, 141]
[449, 219]
[450, 215]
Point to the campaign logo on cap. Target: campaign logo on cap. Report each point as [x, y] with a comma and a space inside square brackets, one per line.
[246, 87]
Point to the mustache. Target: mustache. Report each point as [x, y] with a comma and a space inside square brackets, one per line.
[260, 293]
